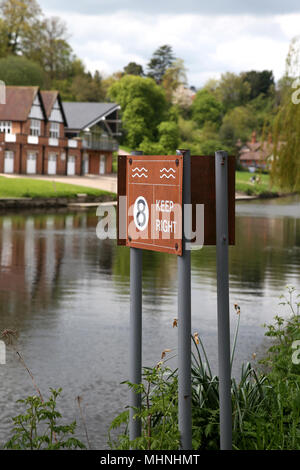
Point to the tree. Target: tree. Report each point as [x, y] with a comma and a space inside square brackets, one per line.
[19, 71]
[260, 82]
[168, 136]
[232, 90]
[87, 88]
[238, 123]
[206, 108]
[47, 45]
[143, 107]
[173, 77]
[285, 168]
[19, 18]
[134, 69]
[168, 140]
[161, 60]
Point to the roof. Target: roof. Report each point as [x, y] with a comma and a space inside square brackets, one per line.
[82, 115]
[49, 98]
[256, 151]
[19, 100]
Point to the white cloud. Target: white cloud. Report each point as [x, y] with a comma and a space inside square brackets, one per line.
[209, 45]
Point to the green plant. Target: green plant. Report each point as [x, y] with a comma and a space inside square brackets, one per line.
[265, 406]
[158, 414]
[249, 397]
[159, 408]
[38, 428]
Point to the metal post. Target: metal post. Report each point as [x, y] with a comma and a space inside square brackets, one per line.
[135, 336]
[221, 168]
[184, 322]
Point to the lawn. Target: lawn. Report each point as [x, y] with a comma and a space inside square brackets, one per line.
[19, 187]
[244, 185]
[26, 187]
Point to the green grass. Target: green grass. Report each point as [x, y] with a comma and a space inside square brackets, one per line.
[244, 185]
[19, 187]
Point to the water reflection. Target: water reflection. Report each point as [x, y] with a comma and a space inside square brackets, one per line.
[67, 293]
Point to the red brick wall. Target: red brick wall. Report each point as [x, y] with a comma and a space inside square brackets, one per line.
[60, 164]
[26, 127]
[94, 161]
[38, 150]
[78, 159]
[109, 159]
[61, 130]
[14, 148]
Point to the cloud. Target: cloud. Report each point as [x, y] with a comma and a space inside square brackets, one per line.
[212, 7]
[210, 45]
[211, 37]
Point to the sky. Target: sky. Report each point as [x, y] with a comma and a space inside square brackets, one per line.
[212, 36]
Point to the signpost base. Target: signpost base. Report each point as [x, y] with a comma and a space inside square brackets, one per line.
[184, 321]
[221, 166]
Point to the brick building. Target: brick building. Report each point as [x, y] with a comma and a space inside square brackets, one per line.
[256, 155]
[36, 137]
[97, 125]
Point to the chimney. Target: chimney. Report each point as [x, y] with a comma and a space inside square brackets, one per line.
[253, 138]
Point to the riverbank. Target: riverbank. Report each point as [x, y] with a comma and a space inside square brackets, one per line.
[24, 187]
[256, 185]
[47, 192]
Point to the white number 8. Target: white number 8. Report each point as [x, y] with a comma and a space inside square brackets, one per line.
[141, 213]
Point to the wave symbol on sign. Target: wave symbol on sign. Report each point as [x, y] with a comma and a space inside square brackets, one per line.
[165, 171]
[139, 172]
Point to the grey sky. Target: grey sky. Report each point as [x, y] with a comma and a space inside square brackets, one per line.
[212, 7]
[212, 37]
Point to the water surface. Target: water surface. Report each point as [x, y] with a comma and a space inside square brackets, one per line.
[67, 294]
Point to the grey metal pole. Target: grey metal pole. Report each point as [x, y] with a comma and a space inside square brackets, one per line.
[221, 168]
[184, 322]
[135, 336]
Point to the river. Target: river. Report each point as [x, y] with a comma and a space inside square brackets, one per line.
[67, 294]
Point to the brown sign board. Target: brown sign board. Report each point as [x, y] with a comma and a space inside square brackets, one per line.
[154, 203]
[203, 191]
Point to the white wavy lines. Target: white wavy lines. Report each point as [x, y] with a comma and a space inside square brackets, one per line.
[137, 172]
[139, 169]
[167, 176]
[139, 175]
[165, 170]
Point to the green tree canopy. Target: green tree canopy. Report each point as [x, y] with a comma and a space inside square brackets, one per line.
[173, 77]
[238, 124]
[19, 71]
[232, 90]
[161, 60]
[134, 69]
[47, 45]
[168, 136]
[260, 82]
[286, 162]
[19, 19]
[206, 108]
[143, 105]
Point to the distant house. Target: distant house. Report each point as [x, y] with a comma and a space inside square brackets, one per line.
[97, 125]
[37, 138]
[255, 154]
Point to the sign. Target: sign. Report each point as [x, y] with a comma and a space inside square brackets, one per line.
[203, 191]
[154, 203]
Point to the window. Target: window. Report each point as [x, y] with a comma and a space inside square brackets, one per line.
[5, 126]
[54, 130]
[35, 127]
